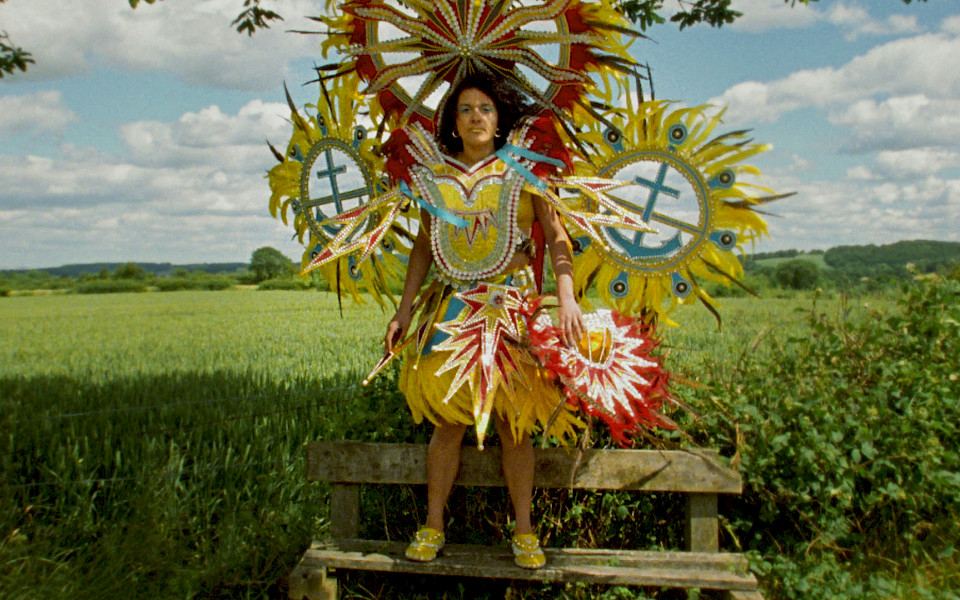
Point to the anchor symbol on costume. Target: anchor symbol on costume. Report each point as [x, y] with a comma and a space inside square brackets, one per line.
[635, 247]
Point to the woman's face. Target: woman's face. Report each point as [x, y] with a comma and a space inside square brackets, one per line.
[476, 118]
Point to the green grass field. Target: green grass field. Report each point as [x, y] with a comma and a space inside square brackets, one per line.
[152, 443]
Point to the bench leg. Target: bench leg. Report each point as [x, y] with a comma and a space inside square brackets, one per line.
[312, 584]
[702, 523]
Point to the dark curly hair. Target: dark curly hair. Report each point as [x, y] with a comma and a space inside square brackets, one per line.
[511, 107]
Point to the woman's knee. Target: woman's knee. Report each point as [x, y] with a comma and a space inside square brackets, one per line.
[448, 433]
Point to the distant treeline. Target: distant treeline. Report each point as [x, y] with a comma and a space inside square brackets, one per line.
[925, 256]
[783, 254]
[851, 268]
[268, 269]
[157, 269]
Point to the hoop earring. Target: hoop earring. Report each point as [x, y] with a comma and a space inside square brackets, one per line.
[454, 134]
[496, 133]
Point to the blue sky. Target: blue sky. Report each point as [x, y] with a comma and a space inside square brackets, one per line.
[139, 135]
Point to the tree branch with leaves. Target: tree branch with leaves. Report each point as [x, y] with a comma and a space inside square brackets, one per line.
[254, 17]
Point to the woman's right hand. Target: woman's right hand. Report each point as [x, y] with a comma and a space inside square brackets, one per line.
[396, 329]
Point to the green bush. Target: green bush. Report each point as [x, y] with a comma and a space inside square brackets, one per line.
[111, 286]
[206, 282]
[290, 284]
[797, 274]
[849, 439]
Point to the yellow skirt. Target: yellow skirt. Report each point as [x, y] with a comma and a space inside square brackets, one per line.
[472, 360]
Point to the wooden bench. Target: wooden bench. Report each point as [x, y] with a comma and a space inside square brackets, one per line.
[697, 474]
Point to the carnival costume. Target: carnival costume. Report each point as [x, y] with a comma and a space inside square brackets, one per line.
[649, 195]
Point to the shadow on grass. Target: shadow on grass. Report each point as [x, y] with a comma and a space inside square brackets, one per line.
[191, 485]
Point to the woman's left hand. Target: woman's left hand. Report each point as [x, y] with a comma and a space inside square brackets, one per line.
[571, 323]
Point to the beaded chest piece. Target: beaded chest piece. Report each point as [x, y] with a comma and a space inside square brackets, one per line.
[477, 217]
[487, 198]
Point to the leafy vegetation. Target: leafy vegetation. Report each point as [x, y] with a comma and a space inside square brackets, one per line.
[270, 263]
[152, 446]
[852, 269]
[848, 437]
[12, 58]
[893, 260]
[797, 274]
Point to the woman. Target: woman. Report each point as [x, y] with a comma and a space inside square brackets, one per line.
[477, 228]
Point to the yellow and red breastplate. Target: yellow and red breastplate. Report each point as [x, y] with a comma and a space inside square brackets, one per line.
[493, 215]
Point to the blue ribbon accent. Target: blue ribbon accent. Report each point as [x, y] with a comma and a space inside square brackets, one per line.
[504, 154]
[453, 309]
[527, 153]
[436, 211]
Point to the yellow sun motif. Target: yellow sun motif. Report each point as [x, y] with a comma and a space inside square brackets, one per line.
[332, 166]
[685, 182]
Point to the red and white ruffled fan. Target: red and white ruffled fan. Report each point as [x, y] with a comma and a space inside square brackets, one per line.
[610, 374]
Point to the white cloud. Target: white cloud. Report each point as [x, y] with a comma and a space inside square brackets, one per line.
[41, 112]
[209, 137]
[857, 21]
[916, 162]
[826, 213]
[951, 25]
[861, 173]
[193, 40]
[85, 206]
[190, 190]
[763, 15]
[924, 64]
[900, 122]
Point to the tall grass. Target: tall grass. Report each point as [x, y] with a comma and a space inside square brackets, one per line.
[152, 444]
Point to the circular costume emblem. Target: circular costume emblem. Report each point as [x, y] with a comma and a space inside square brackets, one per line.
[671, 196]
[333, 178]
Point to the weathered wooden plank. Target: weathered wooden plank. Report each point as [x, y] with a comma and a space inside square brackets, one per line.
[649, 470]
[345, 510]
[702, 523]
[743, 595]
[671, 569]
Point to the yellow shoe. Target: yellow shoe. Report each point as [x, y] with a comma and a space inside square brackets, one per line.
[425, 545]
[527, 553]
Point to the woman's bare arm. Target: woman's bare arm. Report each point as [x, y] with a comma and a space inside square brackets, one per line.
[417, 268]
[569, 315]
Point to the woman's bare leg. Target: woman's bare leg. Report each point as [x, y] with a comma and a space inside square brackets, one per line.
[518, 465]
[443, 462]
